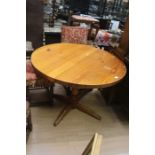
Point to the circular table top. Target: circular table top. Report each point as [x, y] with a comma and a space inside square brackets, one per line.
[78, 65]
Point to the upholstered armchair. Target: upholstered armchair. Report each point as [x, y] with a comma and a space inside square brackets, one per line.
[35, 81]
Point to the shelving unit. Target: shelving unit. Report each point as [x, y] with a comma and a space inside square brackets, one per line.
[93, 7]
[113, 9]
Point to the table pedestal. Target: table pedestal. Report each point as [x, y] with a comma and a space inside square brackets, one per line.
[72, 102]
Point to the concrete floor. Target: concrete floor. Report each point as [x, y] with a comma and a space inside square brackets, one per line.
[72, 135]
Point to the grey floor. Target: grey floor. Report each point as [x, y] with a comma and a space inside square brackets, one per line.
[72, 135]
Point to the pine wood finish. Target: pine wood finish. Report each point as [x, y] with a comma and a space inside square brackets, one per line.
[77, 66]
[94, 145]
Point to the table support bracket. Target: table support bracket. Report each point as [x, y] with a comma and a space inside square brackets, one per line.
[72, 102]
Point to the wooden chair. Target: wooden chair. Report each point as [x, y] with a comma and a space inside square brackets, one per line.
[35, 81]
[93, 148]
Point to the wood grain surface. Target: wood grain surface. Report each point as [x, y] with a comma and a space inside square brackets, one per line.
[78, 65]
[84, 19]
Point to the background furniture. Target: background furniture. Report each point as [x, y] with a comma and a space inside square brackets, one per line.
[114, 95]
[77, 66]
[103, 9]
[80, 6]
[90, 21]
[73, 34]
[47, 13]
[36, 81]
[34, 22]
[123, 53]
[84, 19]
[105, 39]
[123, 50]
[94, 7]
[28, 120]
[104, 23]
[52, 37]
[118, 9]
[29, 49]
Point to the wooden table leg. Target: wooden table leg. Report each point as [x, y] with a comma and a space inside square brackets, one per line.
[82, 107]
[88, 111]
[70, 105]
[62, 114]
[72, 102]
[50, 93]
[61, 98]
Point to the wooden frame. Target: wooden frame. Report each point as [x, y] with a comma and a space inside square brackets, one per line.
[93, 148]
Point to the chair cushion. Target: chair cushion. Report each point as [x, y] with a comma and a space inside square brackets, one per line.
[31, 76]
[106, 38]
[73, 34]
[29, 67]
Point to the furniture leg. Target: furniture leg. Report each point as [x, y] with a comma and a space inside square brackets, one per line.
[82, 93]
[27, 93]
[72, 102]
[61, 98]
[81, 107]
[50, 93]
[62, 114]
[88, 111]
[112, 95]
[68, 91]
